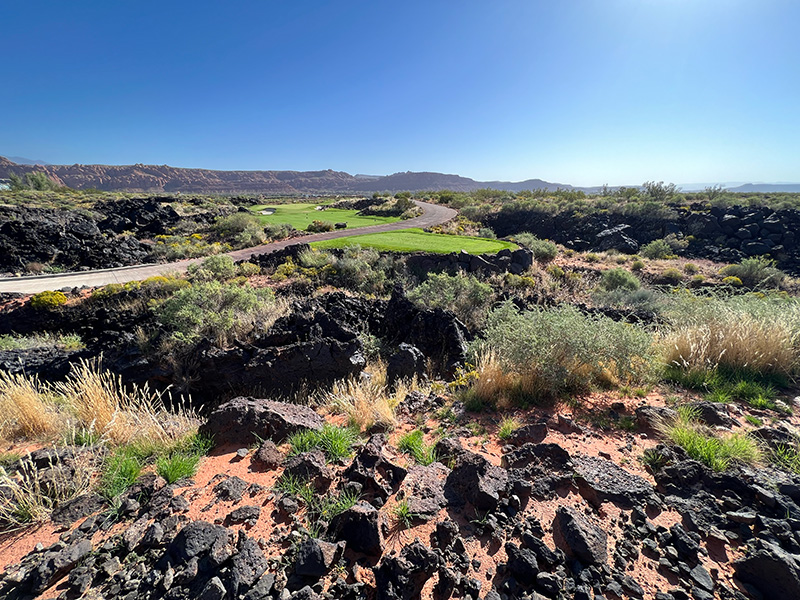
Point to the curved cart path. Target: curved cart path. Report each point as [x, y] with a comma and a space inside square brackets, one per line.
[433, 214]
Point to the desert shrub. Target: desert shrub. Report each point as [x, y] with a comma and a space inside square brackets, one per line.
[543, 250]
[691, 268]
[640, 299]
[657, 249]
[619, 279]
[317, 226]
[367, 403]
[463, 295]
[555, 271]
[217, 310]
[248, 269]
[278, 231]
[363, 270]
[220, 267]
[759, 334]
[717, 453]
[732, 281]
[755, 272]
[48, 300]
[542, 354]
[637, 265]
[241, 230]
[592, 257]
[486, 232]
[174, 247]
[671, 276]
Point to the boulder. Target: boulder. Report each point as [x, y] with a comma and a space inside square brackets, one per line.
[771, 570]
[231, 489]
[423, 488]
[316, 557]
[477, 481]
[579, 538]
[310, 467]
[267, 456]
[240, 420]
[615, 238]
[407, 363]
[600, 480]
[378, 476]
[247, 566]
[358, 527]
[403, 577]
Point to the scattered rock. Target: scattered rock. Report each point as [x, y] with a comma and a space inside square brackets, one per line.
[475, 480]
[358, 527]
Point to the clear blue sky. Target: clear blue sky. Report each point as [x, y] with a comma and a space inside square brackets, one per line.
[572, 91]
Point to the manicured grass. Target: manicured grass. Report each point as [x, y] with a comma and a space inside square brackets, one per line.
[300, 215]
[412, 240]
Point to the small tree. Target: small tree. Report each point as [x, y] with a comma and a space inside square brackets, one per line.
[659, 191]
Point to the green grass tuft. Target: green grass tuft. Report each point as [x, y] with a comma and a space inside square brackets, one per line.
[413, 444]
[336, 442]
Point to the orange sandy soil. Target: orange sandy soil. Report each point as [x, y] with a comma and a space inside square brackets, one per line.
[622, 447]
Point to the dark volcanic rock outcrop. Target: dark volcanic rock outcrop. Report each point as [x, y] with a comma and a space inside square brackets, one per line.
[240, 420]
[70, 239]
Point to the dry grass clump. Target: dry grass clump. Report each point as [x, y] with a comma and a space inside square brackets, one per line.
[368, 402]
[26, 408]
[29, 497]
[89, 401]
[751, 333]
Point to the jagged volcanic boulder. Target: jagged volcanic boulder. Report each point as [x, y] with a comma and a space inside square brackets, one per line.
[240, 420]
[579, 537]
[475, 480]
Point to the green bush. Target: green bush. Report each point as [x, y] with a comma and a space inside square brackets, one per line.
[363, 270]
[637, 265]
[217, 310]
[562, 351]
[543, 250]
[48, 300]
[755, 272]
[278, 231]
[317, 226]
[220, 267]
[671, 276]
[463, 295]
[619, 279]
[657, 249]
[241, 230]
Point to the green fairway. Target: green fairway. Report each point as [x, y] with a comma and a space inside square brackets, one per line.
[413, 240]
[300, 215]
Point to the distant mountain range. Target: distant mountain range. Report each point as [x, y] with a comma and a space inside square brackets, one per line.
[163, 178]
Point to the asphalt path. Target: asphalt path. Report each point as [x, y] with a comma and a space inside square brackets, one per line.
[433, 214]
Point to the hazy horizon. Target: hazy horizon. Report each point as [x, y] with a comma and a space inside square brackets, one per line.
[582, 93]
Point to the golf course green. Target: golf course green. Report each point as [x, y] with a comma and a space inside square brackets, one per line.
[414, 240]
[300, 215]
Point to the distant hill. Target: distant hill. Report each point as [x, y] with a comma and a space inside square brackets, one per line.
[163, 178]
[767, 188]
[26, 161]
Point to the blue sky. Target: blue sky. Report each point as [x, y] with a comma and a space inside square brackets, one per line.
[574, 91]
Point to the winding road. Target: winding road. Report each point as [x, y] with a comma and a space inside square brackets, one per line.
[432, 214]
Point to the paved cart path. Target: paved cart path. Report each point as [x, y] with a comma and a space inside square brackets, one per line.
[433, 214]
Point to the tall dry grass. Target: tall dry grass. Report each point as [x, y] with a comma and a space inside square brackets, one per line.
[93, 401]
[368, 402]
[26, 407]
[752, 333]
